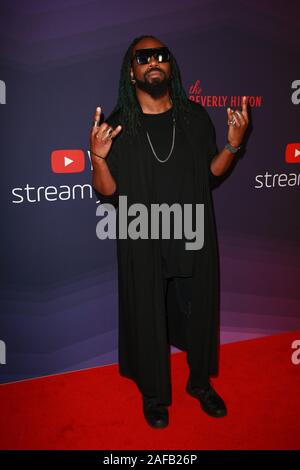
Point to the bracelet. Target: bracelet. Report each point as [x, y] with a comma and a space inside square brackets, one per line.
[232, 149]
[99, 156]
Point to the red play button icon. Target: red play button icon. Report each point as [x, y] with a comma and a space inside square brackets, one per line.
[292, 153]
[67, 161]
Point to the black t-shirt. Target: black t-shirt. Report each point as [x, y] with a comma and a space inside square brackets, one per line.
[174, 184]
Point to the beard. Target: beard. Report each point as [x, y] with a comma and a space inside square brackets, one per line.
[156, 88]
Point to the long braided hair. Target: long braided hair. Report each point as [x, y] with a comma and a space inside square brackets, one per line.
[128, 105]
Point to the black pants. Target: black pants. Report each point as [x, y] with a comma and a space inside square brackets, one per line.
[183, 286]
[183, 289]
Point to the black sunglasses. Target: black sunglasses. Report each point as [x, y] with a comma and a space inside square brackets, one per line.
[143, 56]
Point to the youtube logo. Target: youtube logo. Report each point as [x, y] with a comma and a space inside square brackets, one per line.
[292, 153]
[67, 161]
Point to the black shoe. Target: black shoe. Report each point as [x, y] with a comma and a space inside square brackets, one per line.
[209, 400]
[156, 415]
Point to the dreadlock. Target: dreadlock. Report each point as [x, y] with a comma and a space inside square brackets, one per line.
[128, 105]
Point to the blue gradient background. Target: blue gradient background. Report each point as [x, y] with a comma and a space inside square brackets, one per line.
[60, 59]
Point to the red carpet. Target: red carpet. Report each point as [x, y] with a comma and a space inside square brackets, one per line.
[99, 409]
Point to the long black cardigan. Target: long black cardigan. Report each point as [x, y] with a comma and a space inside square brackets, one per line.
[146, 324]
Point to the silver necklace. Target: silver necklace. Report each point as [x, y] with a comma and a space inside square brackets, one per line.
[172, 147]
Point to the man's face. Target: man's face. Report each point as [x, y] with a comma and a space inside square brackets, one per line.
[154, 77]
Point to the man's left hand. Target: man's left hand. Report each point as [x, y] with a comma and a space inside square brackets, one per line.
[238, 122]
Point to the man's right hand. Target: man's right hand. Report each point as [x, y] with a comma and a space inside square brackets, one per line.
[102, 136]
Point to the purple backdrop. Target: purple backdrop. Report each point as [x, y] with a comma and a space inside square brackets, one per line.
[59, 60]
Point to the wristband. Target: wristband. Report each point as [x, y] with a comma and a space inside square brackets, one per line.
[99, 156]
[232, 149]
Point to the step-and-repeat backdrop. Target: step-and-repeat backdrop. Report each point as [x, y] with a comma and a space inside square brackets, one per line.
[59, 60]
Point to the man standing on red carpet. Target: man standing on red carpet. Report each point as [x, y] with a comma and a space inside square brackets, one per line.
[159, 147]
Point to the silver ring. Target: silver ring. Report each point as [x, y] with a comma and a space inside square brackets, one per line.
[108, 133]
